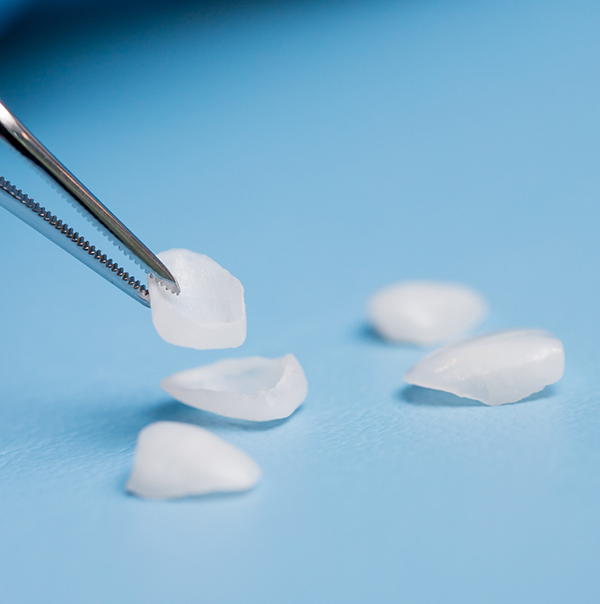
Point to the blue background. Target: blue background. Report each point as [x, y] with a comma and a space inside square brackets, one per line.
[319, 151]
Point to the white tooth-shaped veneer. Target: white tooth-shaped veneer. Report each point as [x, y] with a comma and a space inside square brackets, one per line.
[425, 312]
[497, 368]
[174, 460]
[253, 388]
[208, 313]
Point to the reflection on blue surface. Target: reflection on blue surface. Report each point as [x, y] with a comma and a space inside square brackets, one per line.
[318, 151]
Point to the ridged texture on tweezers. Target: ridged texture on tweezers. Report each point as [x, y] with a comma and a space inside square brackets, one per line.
[95, 258]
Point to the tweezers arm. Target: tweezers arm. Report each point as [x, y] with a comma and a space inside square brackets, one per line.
[18, 137]
[46, 223]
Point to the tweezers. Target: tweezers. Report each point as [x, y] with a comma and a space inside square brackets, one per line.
[45, 222]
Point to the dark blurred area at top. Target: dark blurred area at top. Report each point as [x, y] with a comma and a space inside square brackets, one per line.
[30, 28]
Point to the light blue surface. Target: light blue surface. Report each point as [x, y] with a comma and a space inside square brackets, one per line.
[318, 152]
